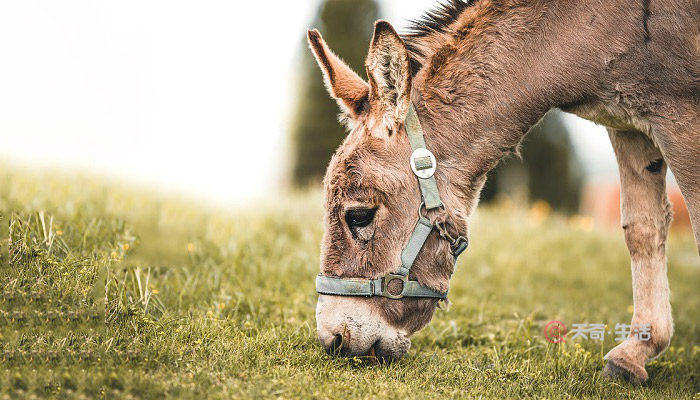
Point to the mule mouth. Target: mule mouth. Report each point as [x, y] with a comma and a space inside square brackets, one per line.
[378, 353]
[350, 328]
[390, 351]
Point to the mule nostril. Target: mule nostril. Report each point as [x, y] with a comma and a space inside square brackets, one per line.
[336, 344]
[373, 352]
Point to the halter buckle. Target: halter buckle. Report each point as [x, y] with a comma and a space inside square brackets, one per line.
[386, 279]
[458, 246]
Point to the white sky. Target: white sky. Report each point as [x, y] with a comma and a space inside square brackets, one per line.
[190, 96]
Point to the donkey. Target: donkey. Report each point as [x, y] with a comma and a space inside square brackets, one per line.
[478, 76]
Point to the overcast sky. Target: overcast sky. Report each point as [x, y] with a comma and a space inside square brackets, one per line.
[190, 96]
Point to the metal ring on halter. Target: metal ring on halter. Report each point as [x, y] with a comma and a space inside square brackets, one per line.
[422, 206]
[386, 279]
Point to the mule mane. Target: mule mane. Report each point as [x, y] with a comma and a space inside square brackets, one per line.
[436, 21]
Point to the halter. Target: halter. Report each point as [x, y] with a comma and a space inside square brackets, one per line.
[423, 165]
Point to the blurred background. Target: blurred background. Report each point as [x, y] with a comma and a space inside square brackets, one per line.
[223, 103]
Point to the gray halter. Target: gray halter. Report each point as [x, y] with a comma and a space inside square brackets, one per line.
[423, 165]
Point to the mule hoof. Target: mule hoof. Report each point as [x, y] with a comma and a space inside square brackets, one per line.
[617, 372]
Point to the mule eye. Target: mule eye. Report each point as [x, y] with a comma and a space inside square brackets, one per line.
[359, 217]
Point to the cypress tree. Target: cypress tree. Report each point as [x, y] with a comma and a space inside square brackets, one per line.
[549, 167]
[347, 27]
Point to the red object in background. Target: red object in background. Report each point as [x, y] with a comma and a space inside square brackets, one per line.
[602, 202]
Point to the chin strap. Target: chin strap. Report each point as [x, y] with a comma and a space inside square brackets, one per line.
[423, 164]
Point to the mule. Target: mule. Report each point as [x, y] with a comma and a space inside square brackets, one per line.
[480, 75]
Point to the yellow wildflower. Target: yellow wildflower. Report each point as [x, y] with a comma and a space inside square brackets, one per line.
[582, 222]
[539, 211]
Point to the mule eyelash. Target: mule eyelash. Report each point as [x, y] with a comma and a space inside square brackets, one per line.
[359, 217]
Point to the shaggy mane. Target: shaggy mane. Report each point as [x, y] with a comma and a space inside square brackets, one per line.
[435, 21]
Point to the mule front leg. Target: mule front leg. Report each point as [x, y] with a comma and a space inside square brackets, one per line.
[646, 216]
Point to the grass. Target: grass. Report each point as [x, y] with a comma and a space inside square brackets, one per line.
[203, 303]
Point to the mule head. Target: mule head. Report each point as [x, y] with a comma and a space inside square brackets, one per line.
[372, 201]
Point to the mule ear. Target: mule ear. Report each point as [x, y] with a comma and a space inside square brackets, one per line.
[343, 83]
[389, 73]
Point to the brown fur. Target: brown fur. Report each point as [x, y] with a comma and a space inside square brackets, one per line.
[488, 74]
[342, 82]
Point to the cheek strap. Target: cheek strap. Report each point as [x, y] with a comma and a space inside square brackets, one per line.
[423, 161]
[415, 244]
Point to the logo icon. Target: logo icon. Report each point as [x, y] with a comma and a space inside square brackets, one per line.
[555, 332]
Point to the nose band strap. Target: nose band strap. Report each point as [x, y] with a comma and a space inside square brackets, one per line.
[372, 287]
[415, 243]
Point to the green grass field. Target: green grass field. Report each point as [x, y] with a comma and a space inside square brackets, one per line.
[205, 303]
